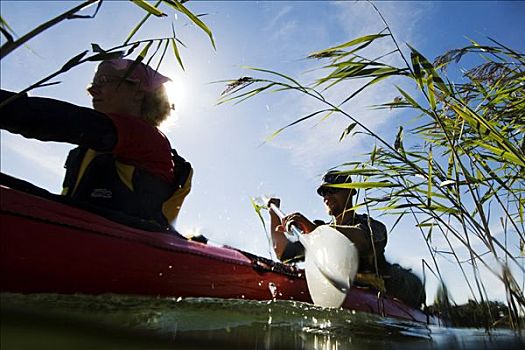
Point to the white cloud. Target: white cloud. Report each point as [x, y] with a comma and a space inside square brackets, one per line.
[35, 161]
[359, 18]
[313, 147]
[282, 12]
[282, 25]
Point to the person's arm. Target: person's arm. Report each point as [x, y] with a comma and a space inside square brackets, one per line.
[47, 119]
[284, 249]
[358, 236]
[361, 237]
[278, 238]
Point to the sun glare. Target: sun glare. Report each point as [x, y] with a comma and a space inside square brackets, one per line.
[176, 96]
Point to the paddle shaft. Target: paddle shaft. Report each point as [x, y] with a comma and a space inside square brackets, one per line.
[294, 230]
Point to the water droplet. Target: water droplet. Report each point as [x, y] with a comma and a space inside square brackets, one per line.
[170, 267]
[273, 289]
[179, 299]
[160, 273]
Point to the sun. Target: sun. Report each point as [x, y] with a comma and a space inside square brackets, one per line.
[176, 95]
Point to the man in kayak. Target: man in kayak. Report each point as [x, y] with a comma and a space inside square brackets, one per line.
[123, 162]
[370, 239]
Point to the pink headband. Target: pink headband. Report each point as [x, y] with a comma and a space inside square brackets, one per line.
[150, 79]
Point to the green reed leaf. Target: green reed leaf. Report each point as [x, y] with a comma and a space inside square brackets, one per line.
[429, 174]
[175, 48]
[141, 23]
[489, 132]
[176, 52]
[246, 95]
[521, 210]
[272, 136]
[97, 48]
[398, 143]
[105, 56]
[181, 8]
[431, 93]
[295, 82]
[258, 209]
[365, 38]
[7, 31]
[416, 67]
[144, 52]
[364, 185]
[360, 172]
[429, 70]
[500, 153]
[153, 10]
[73, 61]
[373, 155]
[367, 85]
[347, 131]
[138, 60]
[412, 102]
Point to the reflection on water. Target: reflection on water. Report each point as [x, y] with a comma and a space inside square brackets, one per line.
[108, 322]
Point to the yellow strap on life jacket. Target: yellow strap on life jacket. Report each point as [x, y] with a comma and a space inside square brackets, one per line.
[171, 207]
[371, 279]
[88, 157]
[125, 173]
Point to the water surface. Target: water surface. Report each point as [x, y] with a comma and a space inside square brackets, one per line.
[51, 321]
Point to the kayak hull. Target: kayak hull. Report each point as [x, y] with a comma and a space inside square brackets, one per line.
[51, 247]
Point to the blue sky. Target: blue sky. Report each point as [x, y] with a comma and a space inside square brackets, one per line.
[225, 142]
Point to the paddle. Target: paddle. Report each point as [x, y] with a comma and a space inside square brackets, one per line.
[331, 262]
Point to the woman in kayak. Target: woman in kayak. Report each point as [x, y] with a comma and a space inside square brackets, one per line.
[123, 162]
[368, 235]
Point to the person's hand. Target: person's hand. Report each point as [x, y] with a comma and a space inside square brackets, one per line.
[277, 203]
[300, 221]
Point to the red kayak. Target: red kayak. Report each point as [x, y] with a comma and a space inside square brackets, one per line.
[48, 246]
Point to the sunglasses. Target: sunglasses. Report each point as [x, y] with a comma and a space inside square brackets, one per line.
[325, 191]
[102, 80]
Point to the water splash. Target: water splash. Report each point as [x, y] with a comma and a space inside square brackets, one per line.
[273, 289]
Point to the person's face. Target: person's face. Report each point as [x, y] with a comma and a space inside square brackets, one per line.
[336, 200]
[111, 94]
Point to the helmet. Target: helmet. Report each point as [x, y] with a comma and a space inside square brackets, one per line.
[333, 177]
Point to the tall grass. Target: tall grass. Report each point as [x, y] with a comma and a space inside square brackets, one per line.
[458, 169]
